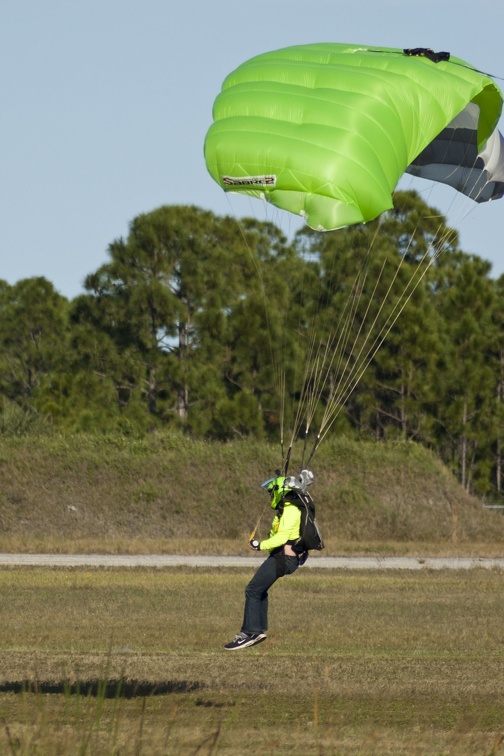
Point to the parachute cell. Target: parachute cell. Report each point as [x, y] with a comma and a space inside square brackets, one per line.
[327, 130]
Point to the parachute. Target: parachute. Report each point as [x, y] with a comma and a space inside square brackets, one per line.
[327, 130]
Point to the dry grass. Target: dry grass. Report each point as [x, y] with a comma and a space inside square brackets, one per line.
[30, 544]
[168, 494]
[131, 662]
[354, 663]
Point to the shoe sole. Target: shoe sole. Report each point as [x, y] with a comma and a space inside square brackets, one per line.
[249, 643]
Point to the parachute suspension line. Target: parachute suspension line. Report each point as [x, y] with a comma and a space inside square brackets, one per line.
[384, 331]
[308, 399]
[312, 384]
[287, 460]
[322, 352]
[328, 359]
[335, 348]
[361, 363]
[256, 528]
[279, 373]
[342, 365]
[321, 355]
[282, 415]
[352, 381]
[299, 413]
[335, 400]
[304, 393]
[356, 358]
[276, 359]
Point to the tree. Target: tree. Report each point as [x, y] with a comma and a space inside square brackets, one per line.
[496, 356]
[33, 340]
[267, 330]
[167, 302]
[465, 297]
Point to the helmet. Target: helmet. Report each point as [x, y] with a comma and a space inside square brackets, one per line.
[276, 488]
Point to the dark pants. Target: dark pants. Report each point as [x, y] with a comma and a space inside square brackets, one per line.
[255, 616]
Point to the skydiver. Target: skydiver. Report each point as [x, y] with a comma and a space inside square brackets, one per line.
[282, 560]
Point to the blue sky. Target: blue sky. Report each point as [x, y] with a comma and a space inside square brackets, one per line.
[106, 104]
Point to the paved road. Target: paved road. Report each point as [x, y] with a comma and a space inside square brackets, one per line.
[172, 560]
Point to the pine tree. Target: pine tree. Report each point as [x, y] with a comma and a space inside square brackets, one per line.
[465, 298]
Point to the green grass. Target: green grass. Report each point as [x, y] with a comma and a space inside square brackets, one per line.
[355, 663]
[167, 493]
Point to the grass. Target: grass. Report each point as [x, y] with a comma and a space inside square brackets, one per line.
[131, 662]
[355, 663]
[166, 493]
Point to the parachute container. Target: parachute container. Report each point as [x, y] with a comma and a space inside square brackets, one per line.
[327, 130]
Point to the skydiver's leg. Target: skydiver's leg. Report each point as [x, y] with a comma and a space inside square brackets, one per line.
[255, 615]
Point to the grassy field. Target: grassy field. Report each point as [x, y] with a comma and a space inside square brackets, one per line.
[131, 662]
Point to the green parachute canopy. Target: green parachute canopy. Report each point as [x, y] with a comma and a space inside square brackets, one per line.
[327, 130]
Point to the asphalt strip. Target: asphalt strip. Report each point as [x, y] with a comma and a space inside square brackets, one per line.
[176, 560]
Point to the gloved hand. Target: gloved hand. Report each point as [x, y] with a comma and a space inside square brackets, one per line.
[254, 544]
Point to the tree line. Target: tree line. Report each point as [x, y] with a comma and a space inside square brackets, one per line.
[212, 325]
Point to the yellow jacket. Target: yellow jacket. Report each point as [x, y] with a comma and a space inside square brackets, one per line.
[284, 528]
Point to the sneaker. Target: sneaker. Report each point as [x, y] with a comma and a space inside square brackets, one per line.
[243, 640]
